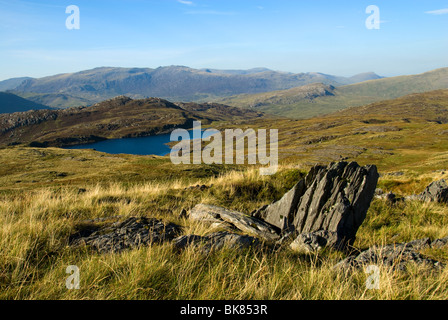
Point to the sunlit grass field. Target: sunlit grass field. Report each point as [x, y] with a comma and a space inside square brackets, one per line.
[45, 194]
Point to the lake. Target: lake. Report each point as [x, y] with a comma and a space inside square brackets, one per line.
[153, 145]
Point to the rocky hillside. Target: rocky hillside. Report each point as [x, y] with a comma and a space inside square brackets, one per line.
[116, 118]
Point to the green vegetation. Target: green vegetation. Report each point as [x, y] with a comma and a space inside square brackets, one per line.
[46, 193]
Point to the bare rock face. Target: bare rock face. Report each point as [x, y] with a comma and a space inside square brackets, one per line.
[281, 213]
[332, 199]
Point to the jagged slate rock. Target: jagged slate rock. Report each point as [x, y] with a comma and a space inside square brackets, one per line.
[131, 233]
[314, 241]
[336, 199]
[281, 213]
[247, 224]
[439, 243]
[217, 241]
[184, 241]
[396, 256]
[436, 192]
[220, 240]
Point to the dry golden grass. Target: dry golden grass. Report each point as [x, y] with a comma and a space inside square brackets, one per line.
[35, 225]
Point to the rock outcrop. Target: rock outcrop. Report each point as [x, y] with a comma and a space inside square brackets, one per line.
[217, 241]
[397, 256]
[435, 192]
[130, 233]
[324, 209]
[245, 223]
[328, 206]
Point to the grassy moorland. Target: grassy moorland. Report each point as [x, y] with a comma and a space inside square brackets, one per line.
[46, 193]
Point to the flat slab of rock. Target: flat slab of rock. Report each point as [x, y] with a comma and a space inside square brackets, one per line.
[245, 223]
[131, 233]
[217, 241]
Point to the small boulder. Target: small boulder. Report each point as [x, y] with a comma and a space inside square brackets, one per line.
[131, 233]
[314, 241]
[217, 241]
[435, 192]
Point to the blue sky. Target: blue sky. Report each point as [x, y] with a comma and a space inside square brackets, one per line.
[286, 35]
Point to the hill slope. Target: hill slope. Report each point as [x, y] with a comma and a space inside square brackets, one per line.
[11, 103]
[10, 84]
[301, 106]
[116, 118]
[175, 83]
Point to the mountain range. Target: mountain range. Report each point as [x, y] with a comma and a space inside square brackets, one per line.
[174, 83]
[318, 99]
[301, 95]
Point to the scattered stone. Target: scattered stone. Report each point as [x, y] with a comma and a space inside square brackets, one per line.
[245, 223]
[131, 233]
[396, 256]
[389, 197]
[435, 192]
[314, 241]
[396, 174]
[439, 243]
[378, 192]
[217, 241]
[198, 187]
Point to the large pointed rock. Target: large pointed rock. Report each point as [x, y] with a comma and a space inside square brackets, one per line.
[281, 213]
[333, 198]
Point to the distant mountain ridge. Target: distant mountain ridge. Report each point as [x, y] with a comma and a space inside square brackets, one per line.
[175, 83]
[318, 99]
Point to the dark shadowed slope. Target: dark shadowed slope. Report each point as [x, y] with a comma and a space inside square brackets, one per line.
[11, 103]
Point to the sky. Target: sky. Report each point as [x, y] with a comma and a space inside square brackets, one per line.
[285, 35]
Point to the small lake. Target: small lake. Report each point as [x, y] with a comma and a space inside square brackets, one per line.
[153, 145]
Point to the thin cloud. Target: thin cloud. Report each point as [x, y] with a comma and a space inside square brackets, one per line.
[188, 3]
[438, 12]
[212, 12]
